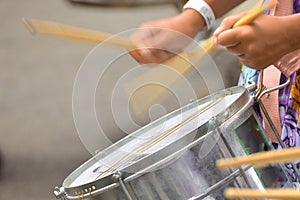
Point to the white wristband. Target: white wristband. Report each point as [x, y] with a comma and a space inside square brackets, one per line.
[204, 9]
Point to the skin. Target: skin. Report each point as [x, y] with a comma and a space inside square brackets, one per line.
[262, 43]
[160, 40]
[257, 45]
[156, 40]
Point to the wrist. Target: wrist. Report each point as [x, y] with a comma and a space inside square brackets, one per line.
[204, 10]
[194, 19]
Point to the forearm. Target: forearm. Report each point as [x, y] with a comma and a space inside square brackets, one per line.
[156, 34]
[221, 7]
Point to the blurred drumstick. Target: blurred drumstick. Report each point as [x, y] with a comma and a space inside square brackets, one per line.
[261, 158]
[182, 63]
[67, 31]
[284, 194]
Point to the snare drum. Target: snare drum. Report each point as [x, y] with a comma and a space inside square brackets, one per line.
[174, 156]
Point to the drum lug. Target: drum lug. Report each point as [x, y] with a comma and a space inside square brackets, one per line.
[60, 193]
[251, 87]
[118, 178]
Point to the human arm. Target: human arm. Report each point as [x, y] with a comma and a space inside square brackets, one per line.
[263, 42]
[160, 40]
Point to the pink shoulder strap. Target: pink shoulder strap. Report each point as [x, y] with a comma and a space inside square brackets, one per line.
[272, 76]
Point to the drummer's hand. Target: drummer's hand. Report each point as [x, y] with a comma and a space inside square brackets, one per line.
[158, 41]
[257, 45]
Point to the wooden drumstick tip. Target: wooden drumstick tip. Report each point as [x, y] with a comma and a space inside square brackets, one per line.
[232, 193]
[261, 158]
[223, 163]
[284, 194]
[28, 25]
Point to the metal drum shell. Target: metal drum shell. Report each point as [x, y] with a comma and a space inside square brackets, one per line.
[107, 187]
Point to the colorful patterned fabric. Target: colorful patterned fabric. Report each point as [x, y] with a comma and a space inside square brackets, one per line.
[289, 106]
[296, 6]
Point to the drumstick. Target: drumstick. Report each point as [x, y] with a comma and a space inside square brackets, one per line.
[284, 194]
[182, 63]
[261, 158]
[67, 31]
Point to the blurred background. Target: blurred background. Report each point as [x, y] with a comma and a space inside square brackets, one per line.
[38, 141]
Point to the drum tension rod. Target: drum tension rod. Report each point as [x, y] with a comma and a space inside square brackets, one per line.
[118, 178]
[277, 135]
[222, 183]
